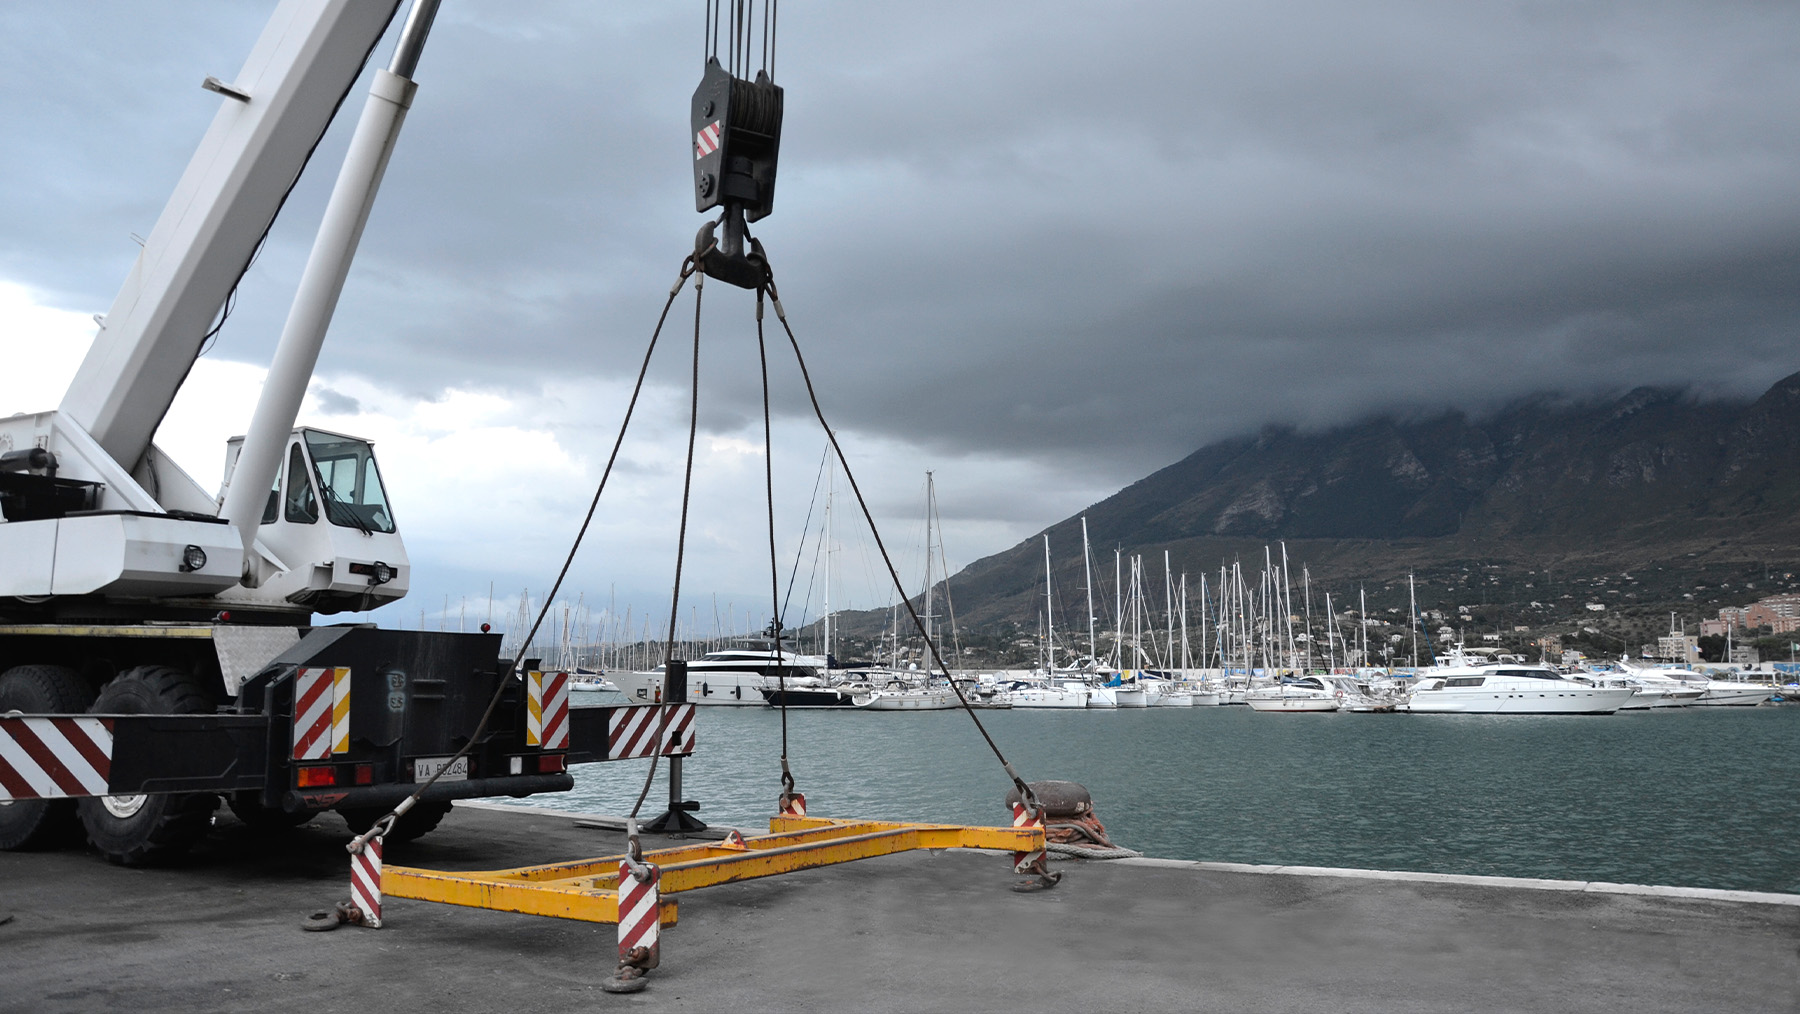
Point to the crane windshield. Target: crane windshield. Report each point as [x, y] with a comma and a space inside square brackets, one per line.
[350, 482]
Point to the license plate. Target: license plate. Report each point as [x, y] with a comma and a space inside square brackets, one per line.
[425, 767]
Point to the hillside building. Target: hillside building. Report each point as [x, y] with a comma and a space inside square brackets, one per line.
[1780, 613]
[1678, 648]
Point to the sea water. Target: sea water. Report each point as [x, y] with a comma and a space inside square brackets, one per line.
[1696, 797]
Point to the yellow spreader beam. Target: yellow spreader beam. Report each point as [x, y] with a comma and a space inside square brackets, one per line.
[588, 889]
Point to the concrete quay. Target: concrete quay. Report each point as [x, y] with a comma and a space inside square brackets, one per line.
[915, 932]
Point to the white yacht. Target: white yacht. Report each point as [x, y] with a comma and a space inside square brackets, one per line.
[896, 697]
[734, 676]
[1509, 688]
[1363, 694]
[588, 682]
[1305, 693]
[1655, 690]
[1714, 692]
[1734, 693]
[1043, 695]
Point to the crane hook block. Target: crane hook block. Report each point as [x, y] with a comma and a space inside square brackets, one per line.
[737, 135]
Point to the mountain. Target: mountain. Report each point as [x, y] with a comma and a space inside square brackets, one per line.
[1656, 499]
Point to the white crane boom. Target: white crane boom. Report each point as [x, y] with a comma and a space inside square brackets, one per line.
[307, 58]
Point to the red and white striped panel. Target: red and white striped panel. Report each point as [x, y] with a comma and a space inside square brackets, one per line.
[321, 713]
[365, 882]
[1022, 817]
[791, 804]
[632, 731]
[680, 740]
[547, 710]
[706, 141]
[49, 758]
[640, 914]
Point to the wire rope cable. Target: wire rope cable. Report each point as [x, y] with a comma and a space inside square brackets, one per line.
[762, 358]
[1025, 792]
[386, 823]
[687, 486]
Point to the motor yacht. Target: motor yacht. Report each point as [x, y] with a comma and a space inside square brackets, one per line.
[1715, 692]
[1506, 688]
[734, 676]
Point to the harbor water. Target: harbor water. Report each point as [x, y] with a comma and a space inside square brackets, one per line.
[1694, 797]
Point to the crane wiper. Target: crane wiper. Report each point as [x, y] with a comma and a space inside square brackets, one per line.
[340, 507]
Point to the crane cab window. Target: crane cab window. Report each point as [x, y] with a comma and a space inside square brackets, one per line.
[302, 506]
[349, 482]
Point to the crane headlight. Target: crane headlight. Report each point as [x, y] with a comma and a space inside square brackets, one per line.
[192, 559]
[377, 572]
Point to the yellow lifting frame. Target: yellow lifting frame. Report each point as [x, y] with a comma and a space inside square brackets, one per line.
[588, 889]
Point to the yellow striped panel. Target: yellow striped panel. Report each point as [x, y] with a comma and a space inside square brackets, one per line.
[340, 711]
[534, 717]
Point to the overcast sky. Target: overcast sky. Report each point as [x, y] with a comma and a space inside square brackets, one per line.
[1040, 249]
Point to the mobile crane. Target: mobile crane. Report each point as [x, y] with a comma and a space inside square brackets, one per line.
[183, 621]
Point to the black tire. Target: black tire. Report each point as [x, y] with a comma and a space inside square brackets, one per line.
[143, 830]
[247, 807]
[418, 822]
[41, 690]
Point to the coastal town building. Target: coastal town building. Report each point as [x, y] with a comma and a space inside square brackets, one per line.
[1678, 648]
[1780, 613]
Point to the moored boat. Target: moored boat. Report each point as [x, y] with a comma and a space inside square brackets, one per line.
[733, 676]
[1511, 689]
[1046, 696]
[1307, 693]
[905, 698]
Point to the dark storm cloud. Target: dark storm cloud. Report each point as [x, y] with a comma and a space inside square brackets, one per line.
[1099, 234]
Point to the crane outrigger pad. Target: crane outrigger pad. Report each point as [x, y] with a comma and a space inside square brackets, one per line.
[588, 889]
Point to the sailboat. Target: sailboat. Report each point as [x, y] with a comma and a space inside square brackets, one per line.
[914, 690]
[1123, 689]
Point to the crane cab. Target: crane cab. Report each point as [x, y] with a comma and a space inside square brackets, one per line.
[328, 541]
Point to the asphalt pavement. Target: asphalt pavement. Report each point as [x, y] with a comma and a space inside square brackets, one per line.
[927, 931]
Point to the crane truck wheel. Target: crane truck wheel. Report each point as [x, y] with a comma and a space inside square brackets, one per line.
[145, 829]
[418, 822]
[41, 690]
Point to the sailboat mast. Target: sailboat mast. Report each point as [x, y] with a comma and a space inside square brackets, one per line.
[1118, 613]
[1087, 566]
[1137, 611]
[928, 641]
[1169, 606]
[1412, 601]
[1362, 620]
[1049, 605]
[1306, 584]
[1184, 641]
[1331, 634]
[1287, 609]
[830, 475]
